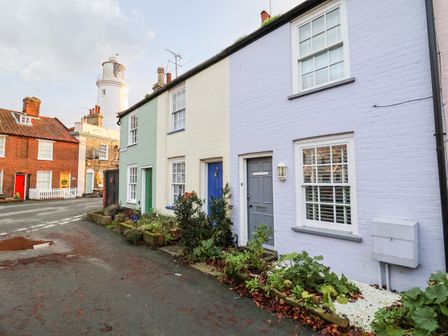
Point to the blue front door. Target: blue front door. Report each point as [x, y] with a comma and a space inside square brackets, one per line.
[214, 181]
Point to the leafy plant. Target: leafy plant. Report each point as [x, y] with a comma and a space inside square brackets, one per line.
[421, 312]
[311, 281]
[251, 259]
[120, 217]
[192, 220]
[133, 236]
[253, 285]
[235, 262]
[220, 219]
[206, 250]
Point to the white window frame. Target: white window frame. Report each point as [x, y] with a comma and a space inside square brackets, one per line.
[173, 112]
[39, 154]
[25, 120]
[132, 199]
[1, 181]
[302, 221]
[306, 18]
[173, 184]
[2, 146]
[103, 154]
[133, 129]
[50, 174]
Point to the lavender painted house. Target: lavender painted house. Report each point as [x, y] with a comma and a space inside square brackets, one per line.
[337, 100]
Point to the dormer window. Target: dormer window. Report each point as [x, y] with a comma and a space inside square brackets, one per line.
[25, 120]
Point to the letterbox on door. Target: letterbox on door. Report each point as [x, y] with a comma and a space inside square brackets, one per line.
[395, 241]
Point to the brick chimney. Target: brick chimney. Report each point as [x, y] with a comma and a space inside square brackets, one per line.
[160, 79]
[169, 77]
[95, 117]
[31, 106]
[265, 16]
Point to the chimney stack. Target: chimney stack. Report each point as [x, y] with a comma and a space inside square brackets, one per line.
[31, 106]
[264, 16]
[169, 77]
[160, 79]
[94, 117]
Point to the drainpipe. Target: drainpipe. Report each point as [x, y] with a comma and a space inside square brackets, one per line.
[438, 119]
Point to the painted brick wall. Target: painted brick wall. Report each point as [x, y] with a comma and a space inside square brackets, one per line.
[21, 157]
[394, 147]
[142, 154]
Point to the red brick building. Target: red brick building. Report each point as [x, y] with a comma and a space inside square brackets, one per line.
[36, 152]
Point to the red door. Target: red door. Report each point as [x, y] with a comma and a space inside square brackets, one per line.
[20, 186]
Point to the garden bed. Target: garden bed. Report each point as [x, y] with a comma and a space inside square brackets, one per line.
[99, 218]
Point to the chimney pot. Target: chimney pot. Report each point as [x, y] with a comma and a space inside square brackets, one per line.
[169, 77]
[160, 79]
[264, 16]
[31, 106]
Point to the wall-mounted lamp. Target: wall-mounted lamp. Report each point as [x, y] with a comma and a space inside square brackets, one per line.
[282, 171]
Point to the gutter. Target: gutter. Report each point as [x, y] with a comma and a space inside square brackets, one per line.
[438, 120]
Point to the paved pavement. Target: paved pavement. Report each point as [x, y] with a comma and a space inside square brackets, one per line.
[91, 282]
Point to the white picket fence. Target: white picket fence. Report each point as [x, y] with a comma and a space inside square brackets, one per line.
[40, 194]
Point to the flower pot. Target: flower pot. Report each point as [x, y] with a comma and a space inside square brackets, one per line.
[154, 239]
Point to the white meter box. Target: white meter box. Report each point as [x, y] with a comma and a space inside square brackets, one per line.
[395, 241]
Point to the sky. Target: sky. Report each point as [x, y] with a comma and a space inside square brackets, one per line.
[53, 49]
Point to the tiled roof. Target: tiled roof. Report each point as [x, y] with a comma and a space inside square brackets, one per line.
[42, 128]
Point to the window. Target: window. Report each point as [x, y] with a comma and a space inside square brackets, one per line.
[326, 182]
[45, 151]
[104, 151]
[2, 146]
[177, 180]
[320, 46]
[1, 182]
[25, 120]
[133, 126]
[103, 92]
[132, 184]
[178, 110]
[43, 180]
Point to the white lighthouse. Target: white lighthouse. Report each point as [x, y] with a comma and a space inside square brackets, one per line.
[112, 91]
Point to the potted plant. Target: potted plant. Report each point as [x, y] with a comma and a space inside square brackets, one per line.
[154, 234]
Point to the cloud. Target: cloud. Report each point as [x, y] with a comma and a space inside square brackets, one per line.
[54, 39]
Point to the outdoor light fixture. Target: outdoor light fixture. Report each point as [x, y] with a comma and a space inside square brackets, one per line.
[282, 171]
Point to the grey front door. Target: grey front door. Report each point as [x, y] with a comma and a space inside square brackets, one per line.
[259, 195]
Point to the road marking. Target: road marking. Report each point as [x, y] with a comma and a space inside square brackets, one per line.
[21, 229]
[3, 234]
[36, 226]
[49, 226]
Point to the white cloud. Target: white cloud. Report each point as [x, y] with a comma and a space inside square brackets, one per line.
[53, 39]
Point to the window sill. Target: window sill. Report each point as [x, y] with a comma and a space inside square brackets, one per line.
[176, 131]
[131, 202]
[44, 159]
[134, 144]
[169, 207]
[322, 88]
[328, 233]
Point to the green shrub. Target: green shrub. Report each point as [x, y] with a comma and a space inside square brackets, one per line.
[235, 262]
[192, 220]
[206, 250]
[421, 312]
[220, 220]
[133, 236]
[252, 285]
